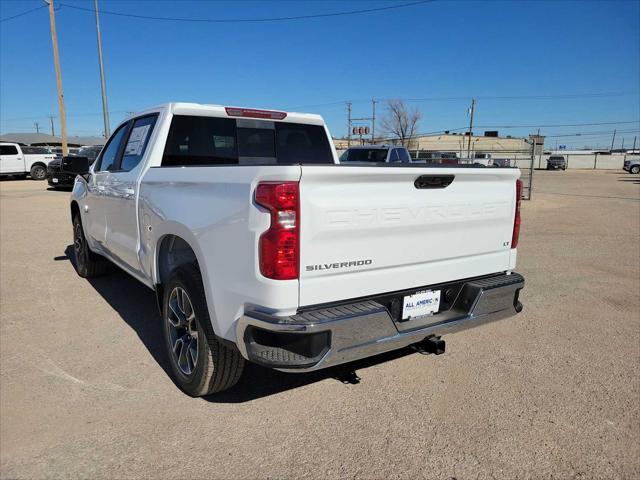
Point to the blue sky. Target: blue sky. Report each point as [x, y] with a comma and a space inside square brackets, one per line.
[446, 51]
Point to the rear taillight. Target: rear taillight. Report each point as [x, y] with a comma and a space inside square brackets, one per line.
[279, 246]
[516, 220]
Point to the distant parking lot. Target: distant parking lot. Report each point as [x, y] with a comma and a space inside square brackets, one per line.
[553, 392]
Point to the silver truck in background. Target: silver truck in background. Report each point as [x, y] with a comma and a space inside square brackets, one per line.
[376, 154]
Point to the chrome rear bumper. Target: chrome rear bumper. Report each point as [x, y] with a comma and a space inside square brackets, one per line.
[330, 336]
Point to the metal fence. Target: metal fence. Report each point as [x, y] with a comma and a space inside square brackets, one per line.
[524, 159]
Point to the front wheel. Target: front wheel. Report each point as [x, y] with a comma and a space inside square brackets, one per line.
[635, 169]
[200, 363]
[38, 172]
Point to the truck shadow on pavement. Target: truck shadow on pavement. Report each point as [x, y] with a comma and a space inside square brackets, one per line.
[136, 305]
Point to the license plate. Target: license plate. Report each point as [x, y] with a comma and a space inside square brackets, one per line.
[421, 303]
[54, 180]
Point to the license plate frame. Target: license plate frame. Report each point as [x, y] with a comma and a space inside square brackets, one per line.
[420, 304]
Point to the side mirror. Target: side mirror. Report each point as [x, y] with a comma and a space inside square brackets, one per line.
[77, 165]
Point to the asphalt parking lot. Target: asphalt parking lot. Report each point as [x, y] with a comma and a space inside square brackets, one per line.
[551, 393]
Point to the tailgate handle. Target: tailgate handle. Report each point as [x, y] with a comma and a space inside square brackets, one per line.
[433, 181]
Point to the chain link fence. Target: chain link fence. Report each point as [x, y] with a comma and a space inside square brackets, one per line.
[524, 159]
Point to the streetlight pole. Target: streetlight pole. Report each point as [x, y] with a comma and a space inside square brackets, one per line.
[473, 109]
[373, 121]
[53, 132]
[103, 85]
[613, 139]
[56, 61]
[349, 124]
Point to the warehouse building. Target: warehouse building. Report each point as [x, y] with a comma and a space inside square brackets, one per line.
[45, 140]
[458, 144]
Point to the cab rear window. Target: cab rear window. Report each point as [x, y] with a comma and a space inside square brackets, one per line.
[194, 140]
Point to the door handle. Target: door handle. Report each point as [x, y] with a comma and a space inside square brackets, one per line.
[433, 181]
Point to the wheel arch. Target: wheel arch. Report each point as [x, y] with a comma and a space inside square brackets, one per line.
[75, 209]
[173, 250]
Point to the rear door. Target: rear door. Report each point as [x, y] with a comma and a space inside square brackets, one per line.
[119, 196]
[11, 160]
[367, 230]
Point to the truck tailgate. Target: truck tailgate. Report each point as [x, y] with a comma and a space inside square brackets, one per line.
[370, 230]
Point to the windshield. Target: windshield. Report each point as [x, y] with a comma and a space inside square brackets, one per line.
[365, 155]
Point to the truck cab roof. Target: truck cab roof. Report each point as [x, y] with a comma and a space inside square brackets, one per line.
[227, 111]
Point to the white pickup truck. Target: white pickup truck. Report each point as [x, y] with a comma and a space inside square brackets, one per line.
[18, 161]
[260, 246]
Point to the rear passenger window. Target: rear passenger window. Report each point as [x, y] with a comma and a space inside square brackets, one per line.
[137, 142]
[227, 141]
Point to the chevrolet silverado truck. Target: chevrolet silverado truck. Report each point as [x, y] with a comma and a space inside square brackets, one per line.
[261, 247]
[19, 161]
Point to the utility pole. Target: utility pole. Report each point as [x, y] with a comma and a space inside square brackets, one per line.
[613, 139]
[37, 125]
[56, 61]
[634, 143]
[472, 111]
[622, 143]
[103, 85]
[349, 124]
[53, 132]
[373, 121]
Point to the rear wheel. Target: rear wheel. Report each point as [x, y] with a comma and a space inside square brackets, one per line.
[88, 264]
[635, 169]
[38, 172]
[200, 363]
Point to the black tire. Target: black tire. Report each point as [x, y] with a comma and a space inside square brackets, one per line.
[88, 264]
[38, 172]
[635, 169]
[218, 366]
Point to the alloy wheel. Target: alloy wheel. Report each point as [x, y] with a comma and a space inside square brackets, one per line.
[182, 327]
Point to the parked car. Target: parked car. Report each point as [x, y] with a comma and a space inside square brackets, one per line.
[632, 166]
[483, 159]
[260, 247]
[19, 161]
[376, 154]
[556, 162]
[59, 179]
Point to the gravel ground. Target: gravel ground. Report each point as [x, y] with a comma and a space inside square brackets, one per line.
[551, 393]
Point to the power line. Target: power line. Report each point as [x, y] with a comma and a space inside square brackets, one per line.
[254, 20]
[6, 19]
[469, 97]
[89, 114]
[524, 97]
[557, 125]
